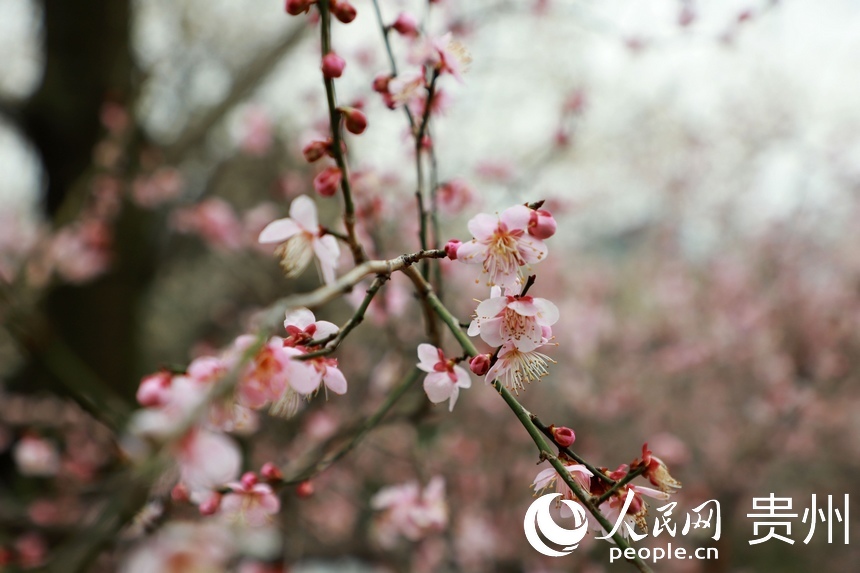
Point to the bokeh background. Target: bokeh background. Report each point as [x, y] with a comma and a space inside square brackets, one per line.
[703, 162]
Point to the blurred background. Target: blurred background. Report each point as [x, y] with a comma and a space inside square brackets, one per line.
[702, 160]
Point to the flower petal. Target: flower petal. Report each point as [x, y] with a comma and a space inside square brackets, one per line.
[438, 387]
[300, 317]
[303, 211]
[516, 217]
[279, 231]
[428, 355]
[334, 380]
[472, 252]
[482, 226]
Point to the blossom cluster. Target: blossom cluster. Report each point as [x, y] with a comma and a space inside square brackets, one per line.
[516, 324]
[196, 411]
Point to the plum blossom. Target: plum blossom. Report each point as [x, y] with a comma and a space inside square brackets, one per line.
[303, 327]
[409, 511]
[514, 367]
[206, 460]
[513, 318]
[502, 245]
[549, 477]
[250, 502]
[444, 378]
[36, 456]
[447, 56]
[307, 375]
[300, 238]
[657, 472]
[180, 547]
[266, 376]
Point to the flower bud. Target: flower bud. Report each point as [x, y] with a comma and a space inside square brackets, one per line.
[354, 120]
[271, 472]
[296, 7]
[249, 479]
[381, 82]
[480, 364]
[542, 225]
[327, 181]
[343, 11]
[179, 493]
[316, 149]
[305, 489]
[406, 25]
[210, 505]
[332, 66]
[451, 248]
[563, 436]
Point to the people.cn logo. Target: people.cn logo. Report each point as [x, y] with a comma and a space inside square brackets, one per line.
[538, 517]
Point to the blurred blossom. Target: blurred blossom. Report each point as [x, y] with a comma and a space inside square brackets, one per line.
[36, 456]
[409, 511]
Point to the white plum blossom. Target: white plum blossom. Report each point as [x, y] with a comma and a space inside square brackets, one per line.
[444, 378]
[300, 238]
[514, 368]
[513, 318]
[548, 477]
[502, 245]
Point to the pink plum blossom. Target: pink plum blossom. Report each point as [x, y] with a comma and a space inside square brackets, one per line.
[266, 376]
[409, 511]
[513, 318]
[301, 238]
[207, 460]
[183, 547]
[444, 378]
[514, 368]
[250, 502]
[214, 220]
[302, 327]
[307, 375]
[502, 245]
[447, 55]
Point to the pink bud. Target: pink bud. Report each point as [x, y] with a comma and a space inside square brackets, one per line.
[305, 489]
[451, 248]
[406, 24]
[542, 225]
[249, 479]
[327, 181]
[316, 149]
[480, 364]
[332, 65]
[210, 505]
[179, 493]
[380, 83]
[296, 7]
[354, 120]
[271, 472]
[343, 11]
[563, 436]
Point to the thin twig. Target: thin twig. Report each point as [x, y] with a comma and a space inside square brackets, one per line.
[337, 139]
[332, 342]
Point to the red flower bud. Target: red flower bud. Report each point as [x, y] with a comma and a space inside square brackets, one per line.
[332, 65]
[542, 225]
[451, 248]
[563, 436]
[305, 489]
[354, 120]
[296, 7]
[380, 83]
[249, 479]
[316, 149]
[406, 25]
[179, 493]
[480, 364]
[343, 11]
[327, 181]
[210, 505]
[271, 472]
